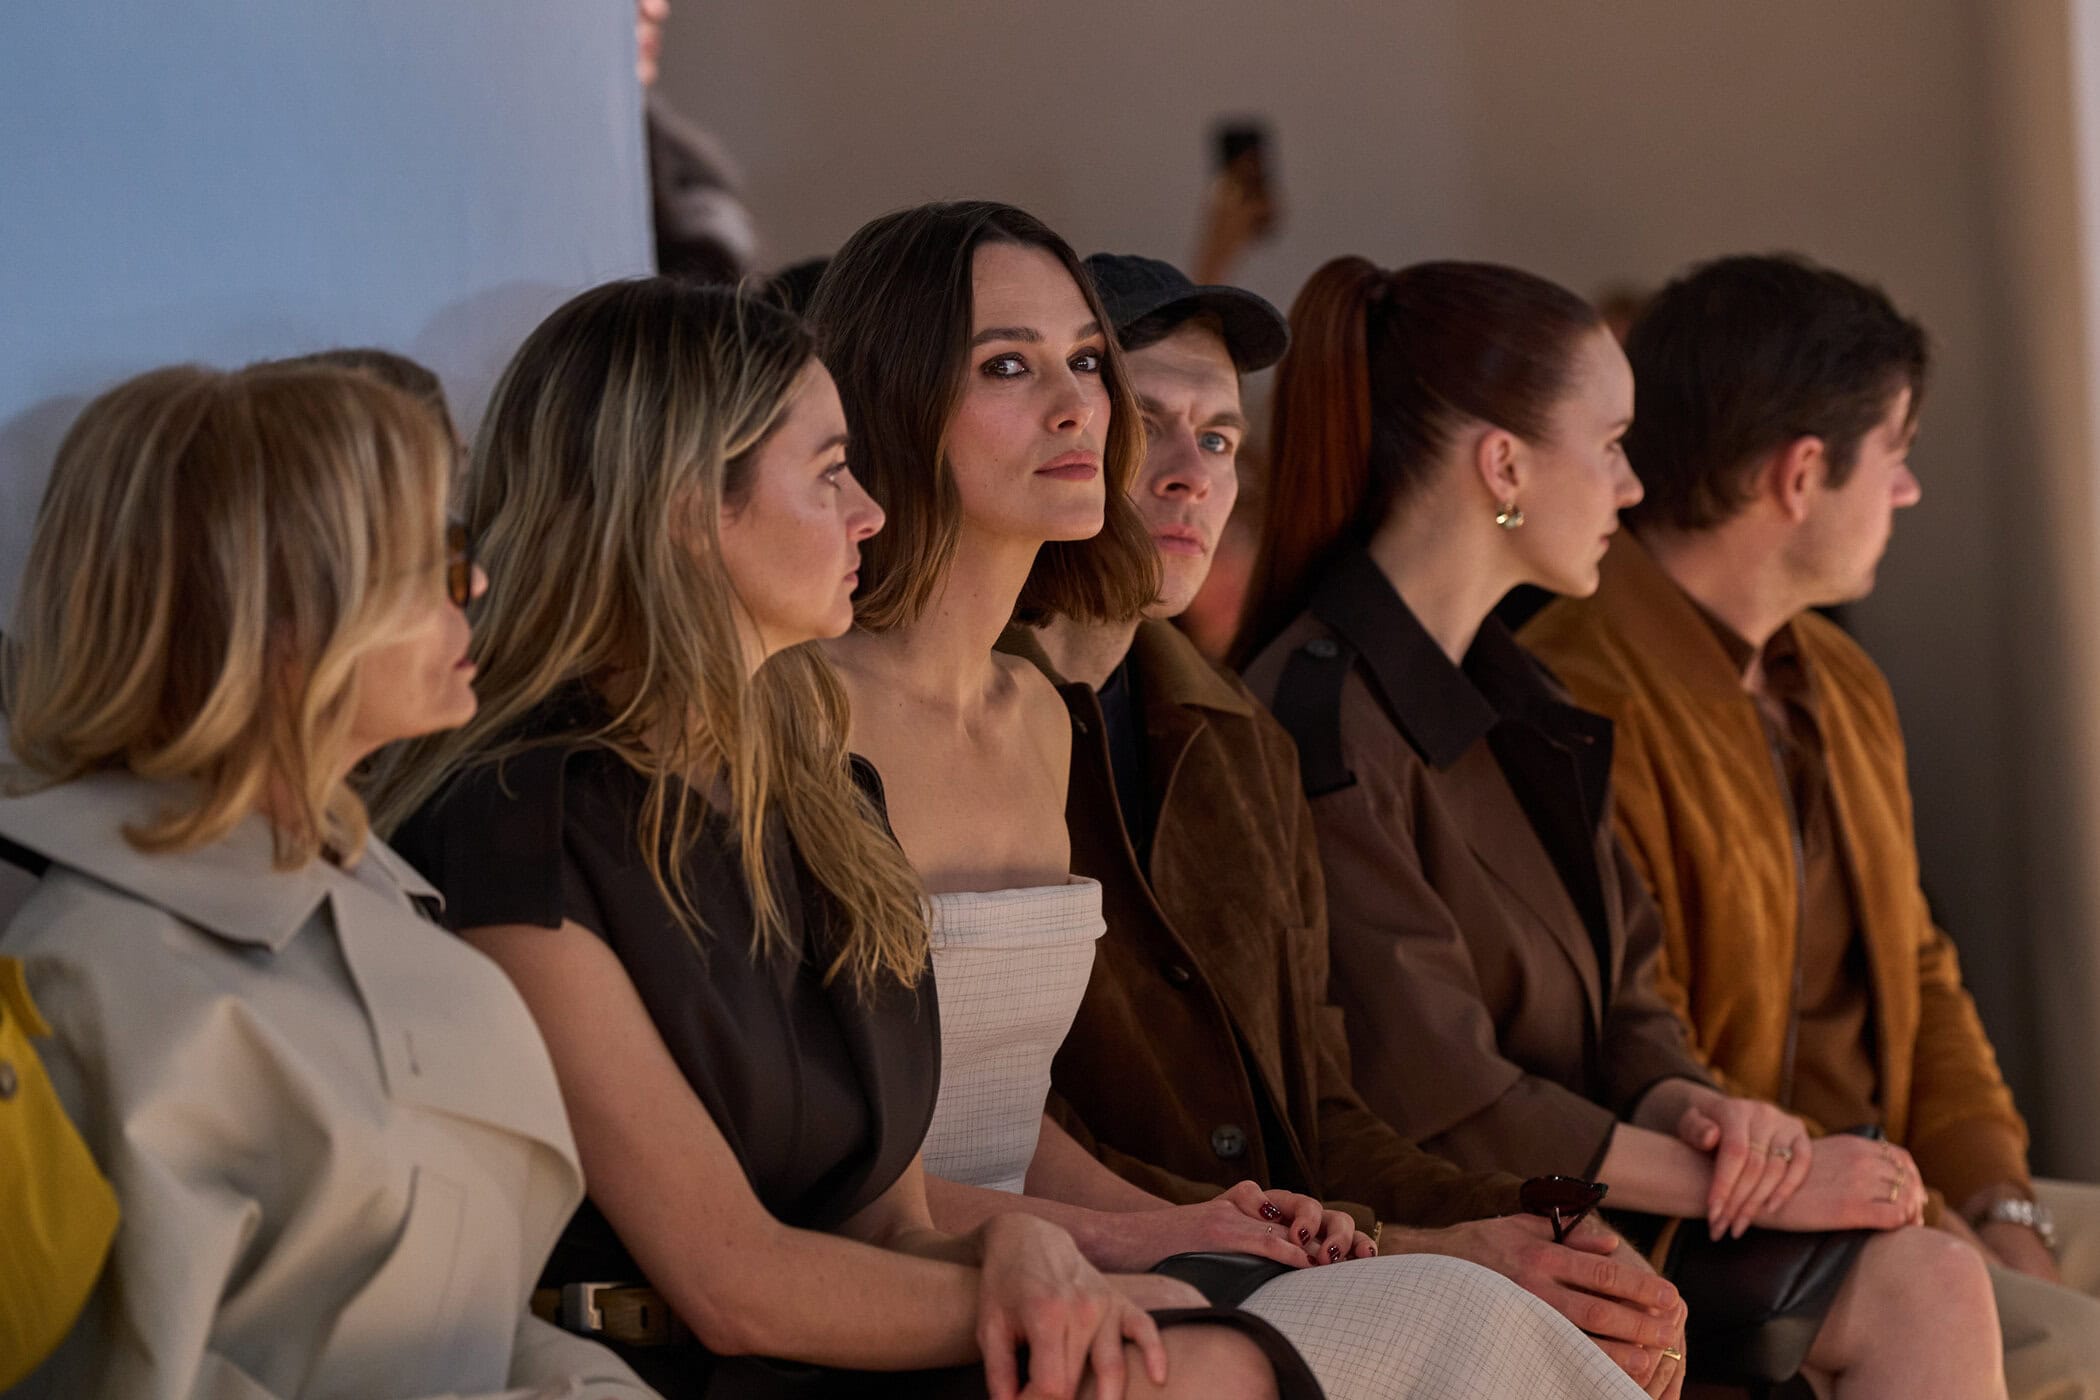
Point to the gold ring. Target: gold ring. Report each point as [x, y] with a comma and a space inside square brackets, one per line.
[1760, 1149]
[1895, 1191]
[1673, 1353]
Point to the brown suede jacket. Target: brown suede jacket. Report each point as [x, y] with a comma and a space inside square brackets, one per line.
[1205, 1051]
[1700, 804]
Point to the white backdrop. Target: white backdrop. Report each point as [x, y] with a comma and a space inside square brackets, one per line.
[223, 181]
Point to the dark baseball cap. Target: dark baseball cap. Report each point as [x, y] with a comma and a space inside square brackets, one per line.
[1147, 299]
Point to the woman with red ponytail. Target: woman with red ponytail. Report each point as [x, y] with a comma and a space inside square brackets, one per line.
[1443, 434]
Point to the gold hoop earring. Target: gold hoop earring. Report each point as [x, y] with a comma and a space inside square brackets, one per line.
[1509, 517]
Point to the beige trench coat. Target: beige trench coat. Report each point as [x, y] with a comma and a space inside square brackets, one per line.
[335, 1133]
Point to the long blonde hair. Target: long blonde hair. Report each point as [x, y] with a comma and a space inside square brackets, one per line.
[214, 554]
[620, 430]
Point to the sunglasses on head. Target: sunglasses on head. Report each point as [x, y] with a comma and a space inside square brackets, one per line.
[459, 563]
[1564, 1200]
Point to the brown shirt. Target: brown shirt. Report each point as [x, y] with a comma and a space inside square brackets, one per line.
[1216, 958]
[1493, 951]
[1698, 807]
[1832, 1078]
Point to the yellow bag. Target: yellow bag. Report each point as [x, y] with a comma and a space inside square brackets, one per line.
[57, 1214]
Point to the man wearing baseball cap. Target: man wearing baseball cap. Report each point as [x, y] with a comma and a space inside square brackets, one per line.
[1205, 1052]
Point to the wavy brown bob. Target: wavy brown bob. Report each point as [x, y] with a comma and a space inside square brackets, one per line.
[893, 319]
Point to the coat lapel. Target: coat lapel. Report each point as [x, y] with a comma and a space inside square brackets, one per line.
[1500, 834]
[433, 1001]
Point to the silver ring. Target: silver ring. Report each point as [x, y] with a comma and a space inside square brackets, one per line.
[1784, 1154]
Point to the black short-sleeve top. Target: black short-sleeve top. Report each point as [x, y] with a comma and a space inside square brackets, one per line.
[823, 1092]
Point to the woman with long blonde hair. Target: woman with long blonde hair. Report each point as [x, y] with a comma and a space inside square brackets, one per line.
[337, 1141]
[656, 828]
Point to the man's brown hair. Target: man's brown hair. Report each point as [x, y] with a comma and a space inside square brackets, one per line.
[1743, 355]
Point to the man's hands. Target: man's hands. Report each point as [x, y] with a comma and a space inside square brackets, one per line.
[1280, 1225]
[1595, 1280]
[1656, 1372]
[1039, 1292]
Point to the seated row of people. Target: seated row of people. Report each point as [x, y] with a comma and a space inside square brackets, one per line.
[944, 979]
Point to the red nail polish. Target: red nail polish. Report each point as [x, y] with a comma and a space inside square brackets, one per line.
[1334, 1255]
[1269, 1212]
[1305, 1237]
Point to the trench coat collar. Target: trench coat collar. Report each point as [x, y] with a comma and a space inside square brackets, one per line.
[1438, 707]
[1444, 710]
[230, 888]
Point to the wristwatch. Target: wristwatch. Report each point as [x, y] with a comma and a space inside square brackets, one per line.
[2013, 1210]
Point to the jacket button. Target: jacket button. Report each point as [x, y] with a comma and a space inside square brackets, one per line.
[1228, 1141]
[1323, 648]
[1180, 976]
[8, 1082]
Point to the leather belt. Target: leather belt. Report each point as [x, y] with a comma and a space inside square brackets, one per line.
[631, 1314]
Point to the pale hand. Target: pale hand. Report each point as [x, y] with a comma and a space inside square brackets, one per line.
[1855, 1183]
[1761, 1153]
[1280, 1225]
[1038, 1291]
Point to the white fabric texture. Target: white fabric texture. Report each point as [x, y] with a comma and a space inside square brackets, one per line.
[1430, 1327]
[1010, 967]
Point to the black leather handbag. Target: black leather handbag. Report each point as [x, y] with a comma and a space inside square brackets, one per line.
[1756, 1303]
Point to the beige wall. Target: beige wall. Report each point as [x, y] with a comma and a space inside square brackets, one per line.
[1590, 142]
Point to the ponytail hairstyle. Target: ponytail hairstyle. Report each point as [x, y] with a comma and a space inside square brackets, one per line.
[1384, 369]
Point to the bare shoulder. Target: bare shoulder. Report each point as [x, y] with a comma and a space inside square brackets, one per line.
[1039, 712]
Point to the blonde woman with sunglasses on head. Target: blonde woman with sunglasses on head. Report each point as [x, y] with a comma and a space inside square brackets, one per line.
[335, 1135]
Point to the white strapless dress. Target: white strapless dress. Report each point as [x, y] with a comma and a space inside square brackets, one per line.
[1010, 967]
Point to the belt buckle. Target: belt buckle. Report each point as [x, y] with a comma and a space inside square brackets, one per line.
[579, 1307]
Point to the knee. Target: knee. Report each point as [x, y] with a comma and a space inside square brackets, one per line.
[1929, 1277]
[1213, 1363]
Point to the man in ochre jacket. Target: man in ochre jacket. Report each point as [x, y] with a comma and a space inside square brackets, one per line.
[1758, 773]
